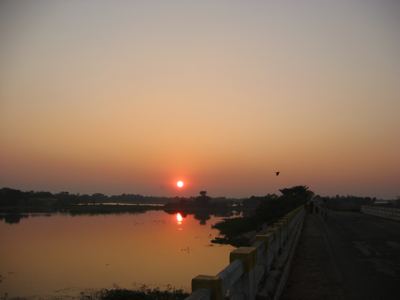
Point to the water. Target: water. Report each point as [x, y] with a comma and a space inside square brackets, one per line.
[62, 255]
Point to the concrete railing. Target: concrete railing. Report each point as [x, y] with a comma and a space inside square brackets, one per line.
[254, 268]
[384, 212]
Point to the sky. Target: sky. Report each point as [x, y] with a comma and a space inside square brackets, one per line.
[131, 96]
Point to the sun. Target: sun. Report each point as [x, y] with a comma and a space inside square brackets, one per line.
[180, 184]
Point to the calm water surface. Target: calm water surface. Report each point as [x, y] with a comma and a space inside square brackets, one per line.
[62, 255]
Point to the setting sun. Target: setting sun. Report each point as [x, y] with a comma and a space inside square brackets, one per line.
[180, 184]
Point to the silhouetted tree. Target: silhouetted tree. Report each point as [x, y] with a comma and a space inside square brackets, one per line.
[203, 199]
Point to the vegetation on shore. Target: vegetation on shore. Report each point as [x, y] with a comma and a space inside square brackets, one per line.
[256, 211]
[142, 294]
[265, 211]
[13, 201]
[16, 204]
[46, 200]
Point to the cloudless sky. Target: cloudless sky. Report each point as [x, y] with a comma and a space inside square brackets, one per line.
[130, 96]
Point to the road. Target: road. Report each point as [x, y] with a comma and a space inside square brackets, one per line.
[348, 256]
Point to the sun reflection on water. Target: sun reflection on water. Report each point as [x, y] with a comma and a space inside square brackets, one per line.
[179, 218]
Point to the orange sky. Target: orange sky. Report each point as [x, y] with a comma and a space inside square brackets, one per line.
[113, 97]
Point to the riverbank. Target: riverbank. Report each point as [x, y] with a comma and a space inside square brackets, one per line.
[143, 293]
[241, 231]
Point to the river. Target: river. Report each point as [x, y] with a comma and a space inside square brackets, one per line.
[61, 255]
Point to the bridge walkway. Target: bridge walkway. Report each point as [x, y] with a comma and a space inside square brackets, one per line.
[348, 256]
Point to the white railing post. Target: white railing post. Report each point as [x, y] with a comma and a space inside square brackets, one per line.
[212, 283]
[267, 239]
[248, 257]
[249, 265]
[383, 212]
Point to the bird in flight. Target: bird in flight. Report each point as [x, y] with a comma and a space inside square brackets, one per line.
[277, 173]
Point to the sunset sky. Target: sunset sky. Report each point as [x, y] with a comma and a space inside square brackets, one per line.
[131, 96]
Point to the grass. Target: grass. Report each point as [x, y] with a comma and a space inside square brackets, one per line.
[143, 293]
